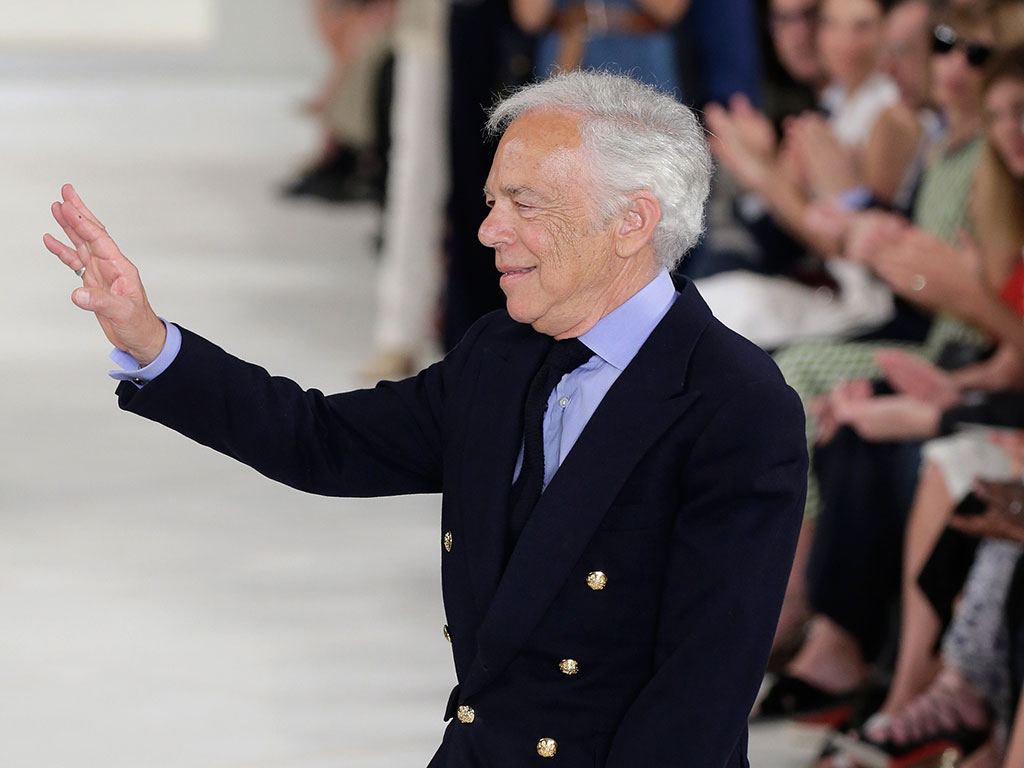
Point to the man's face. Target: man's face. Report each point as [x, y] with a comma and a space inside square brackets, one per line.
[557, 260]
[793, 25]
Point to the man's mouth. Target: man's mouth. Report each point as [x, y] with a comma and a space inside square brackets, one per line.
[515, 272]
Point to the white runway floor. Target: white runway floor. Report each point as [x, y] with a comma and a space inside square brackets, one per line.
[159, 605]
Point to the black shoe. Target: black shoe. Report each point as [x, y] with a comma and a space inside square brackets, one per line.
[791, 698]
[346, 176]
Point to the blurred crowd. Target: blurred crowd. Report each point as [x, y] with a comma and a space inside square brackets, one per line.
[866, 226]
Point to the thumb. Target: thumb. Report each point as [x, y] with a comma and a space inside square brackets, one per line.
[100, 302]
[82, 298]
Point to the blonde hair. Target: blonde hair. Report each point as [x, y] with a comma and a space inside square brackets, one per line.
[997, 205]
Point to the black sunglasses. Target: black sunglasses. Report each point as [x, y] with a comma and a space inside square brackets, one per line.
[944, 40]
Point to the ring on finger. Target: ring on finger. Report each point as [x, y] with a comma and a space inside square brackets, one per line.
[1016, 507]
[80, 271]
[918, 282]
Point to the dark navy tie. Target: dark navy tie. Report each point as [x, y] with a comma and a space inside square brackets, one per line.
[564, 356]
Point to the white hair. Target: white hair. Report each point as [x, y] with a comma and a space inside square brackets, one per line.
[635, 138]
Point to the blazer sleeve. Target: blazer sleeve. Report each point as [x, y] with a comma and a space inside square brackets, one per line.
[373, 442]
[730, 559]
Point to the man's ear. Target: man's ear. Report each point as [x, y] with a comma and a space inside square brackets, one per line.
[635, 228]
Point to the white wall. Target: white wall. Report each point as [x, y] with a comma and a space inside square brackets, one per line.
[235, 38]
[106, 23]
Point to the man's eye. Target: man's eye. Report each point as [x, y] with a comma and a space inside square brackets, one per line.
[524, 207]
[488, 203]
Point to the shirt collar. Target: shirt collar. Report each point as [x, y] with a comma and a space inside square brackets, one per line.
[618, 336]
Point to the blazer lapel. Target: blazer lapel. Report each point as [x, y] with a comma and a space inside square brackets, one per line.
[648, 397]
[495, 433]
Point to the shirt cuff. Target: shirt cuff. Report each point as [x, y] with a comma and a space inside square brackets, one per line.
[140, 376]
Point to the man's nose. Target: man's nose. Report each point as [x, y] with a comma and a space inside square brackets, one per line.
[494, 231]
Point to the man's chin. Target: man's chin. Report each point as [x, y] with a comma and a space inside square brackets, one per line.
[518, 312]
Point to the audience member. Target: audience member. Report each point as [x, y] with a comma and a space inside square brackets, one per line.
[625, 35]
[958, 696]
[408, 277]
[352, 106]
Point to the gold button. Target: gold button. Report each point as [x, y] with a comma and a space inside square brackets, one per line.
[448, 541]
[465, 714]
[547, 747]
[447, 636]
[569, 666]
[597, 580]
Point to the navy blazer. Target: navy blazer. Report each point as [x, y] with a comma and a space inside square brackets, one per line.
[631, 625]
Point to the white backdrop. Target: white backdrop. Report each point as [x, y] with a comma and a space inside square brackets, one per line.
[107, 22]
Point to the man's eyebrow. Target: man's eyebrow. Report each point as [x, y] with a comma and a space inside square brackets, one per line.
[514, 191]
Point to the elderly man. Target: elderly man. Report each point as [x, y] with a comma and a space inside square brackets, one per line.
[622, 476]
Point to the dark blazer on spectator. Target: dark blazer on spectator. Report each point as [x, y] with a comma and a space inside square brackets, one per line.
[631, 625]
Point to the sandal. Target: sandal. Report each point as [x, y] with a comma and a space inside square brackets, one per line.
[949, 720]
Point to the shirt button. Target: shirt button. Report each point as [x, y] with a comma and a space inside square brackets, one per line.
[564, 402]
[447, 541]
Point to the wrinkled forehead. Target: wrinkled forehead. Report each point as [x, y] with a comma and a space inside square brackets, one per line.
[544, 131]
[545, 141]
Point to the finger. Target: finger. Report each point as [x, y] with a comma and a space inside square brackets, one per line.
[741, 104]
[973, 526]
[102, 303]
[87, 229]
[57, 209]
[69, 256]
[70, 195]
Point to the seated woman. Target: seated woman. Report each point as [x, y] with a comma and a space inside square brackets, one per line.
[954, 284]
[936, 700]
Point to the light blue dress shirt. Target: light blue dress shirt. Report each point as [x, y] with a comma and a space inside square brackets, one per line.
[615, 340]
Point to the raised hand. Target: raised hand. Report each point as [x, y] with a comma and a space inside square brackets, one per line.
[869, 233]
[913, 375]
[1004, 517]
[737, 143]
[829, 166]
[887, 418]
[928, 271]
[111, 288]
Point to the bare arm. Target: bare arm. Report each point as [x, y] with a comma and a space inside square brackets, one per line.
[665, 12]
[532, 16]
[1004, 370]
[890, 148]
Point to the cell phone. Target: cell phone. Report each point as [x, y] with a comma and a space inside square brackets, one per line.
[970, 505]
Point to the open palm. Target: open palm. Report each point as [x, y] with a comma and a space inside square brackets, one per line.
[111, 287]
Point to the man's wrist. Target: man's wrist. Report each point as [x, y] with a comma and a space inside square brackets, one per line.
[151, 351]
[131, 368]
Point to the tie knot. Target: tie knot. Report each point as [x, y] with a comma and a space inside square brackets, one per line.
[567, 355]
